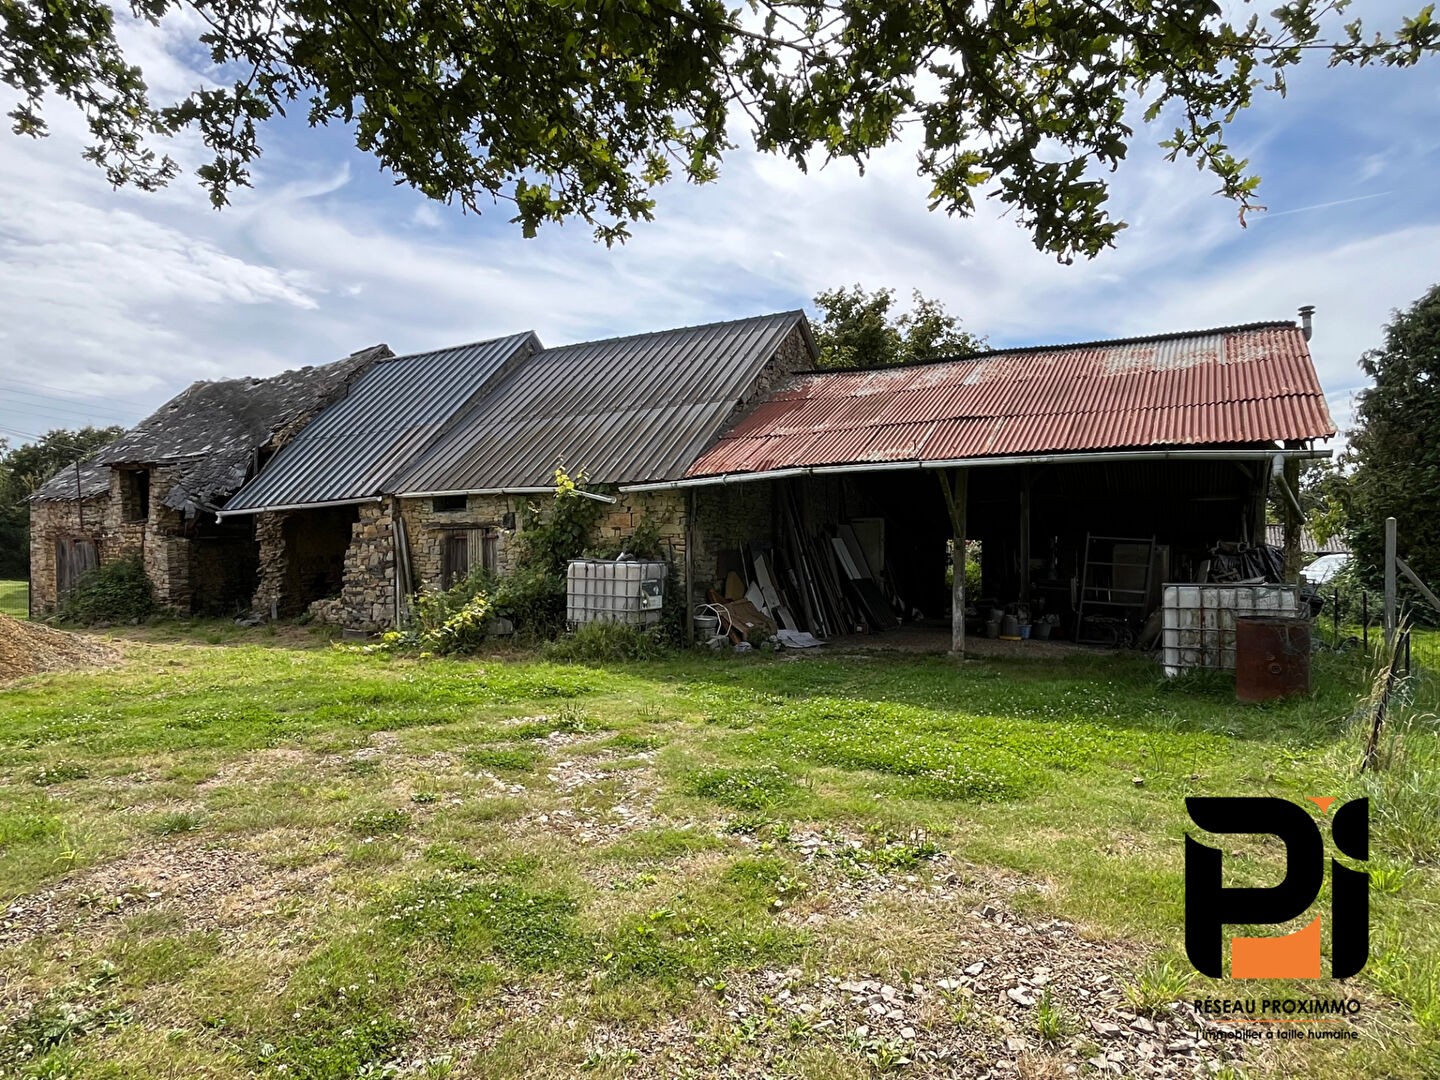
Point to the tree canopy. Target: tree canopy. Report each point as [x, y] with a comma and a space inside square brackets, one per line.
[1393, 449]
[580, 108]
[860, 329]
[24, 469]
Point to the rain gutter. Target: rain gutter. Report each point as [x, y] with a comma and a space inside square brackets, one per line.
[957, 463]
[296, 506]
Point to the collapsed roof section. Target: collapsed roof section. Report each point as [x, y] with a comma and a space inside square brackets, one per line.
[214, 432]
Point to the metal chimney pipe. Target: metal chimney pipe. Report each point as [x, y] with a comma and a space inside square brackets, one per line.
[1307, 320]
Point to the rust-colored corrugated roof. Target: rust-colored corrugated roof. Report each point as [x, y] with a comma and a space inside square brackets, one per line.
[1235, 385]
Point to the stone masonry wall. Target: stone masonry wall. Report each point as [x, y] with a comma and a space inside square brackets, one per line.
[426, 529]
[367, 599]
[367, 596]
[53, 521]
[727, 516]
[274, 562]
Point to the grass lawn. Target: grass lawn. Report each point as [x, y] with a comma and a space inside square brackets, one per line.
[14, 598]
[245, 853]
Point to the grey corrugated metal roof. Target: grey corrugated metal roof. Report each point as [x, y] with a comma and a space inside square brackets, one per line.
[353, 449]
[628, 409]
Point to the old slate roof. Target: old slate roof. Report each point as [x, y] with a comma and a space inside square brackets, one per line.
[213, 431]
[1234, 385]
[353, 449]
[62, 487]
[627, 409]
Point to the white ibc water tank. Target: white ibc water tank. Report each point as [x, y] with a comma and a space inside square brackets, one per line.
[627, 591]
[1198, 629]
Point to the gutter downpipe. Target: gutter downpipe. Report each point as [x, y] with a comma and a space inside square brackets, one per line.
[719, 479]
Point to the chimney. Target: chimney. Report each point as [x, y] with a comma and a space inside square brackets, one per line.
[1307, 320]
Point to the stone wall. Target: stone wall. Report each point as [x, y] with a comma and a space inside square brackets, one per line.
[273, 562]
[366, 601]
[792, 356]
[367, 594]
[727, 516]
[52, 521]
[426, 529]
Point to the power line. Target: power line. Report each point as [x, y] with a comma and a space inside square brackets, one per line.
[66, 403]
[24, 410]
[42, 388]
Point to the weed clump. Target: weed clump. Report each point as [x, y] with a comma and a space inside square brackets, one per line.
[518, 759]
[744, 788]
[602, 642]
[380, 822]
[59, 773]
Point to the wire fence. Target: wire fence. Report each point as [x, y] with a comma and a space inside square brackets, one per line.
[1354, 618]
[15, 598]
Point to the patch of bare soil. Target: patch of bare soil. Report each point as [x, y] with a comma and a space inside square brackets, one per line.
[598, 801]
[208, 887]
[28, 648]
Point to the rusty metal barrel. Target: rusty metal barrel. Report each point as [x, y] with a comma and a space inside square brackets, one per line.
[1272, 657]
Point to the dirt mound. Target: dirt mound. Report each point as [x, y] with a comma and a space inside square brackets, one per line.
[28, 648]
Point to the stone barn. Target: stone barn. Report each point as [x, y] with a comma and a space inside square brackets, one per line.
[432, 458]
[152, 494]
[1080, 477]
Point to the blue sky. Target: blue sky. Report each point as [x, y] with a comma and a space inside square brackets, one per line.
[111, 302]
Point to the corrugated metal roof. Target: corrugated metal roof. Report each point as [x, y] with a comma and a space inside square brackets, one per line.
[1235, 385]
[354, 448]
[1336, 545]
[629, 409]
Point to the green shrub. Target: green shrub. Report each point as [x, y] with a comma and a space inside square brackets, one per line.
[609, 641]
[533, 598]
[116, 592]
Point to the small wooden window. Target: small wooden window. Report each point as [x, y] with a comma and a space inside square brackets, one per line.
[445, 504]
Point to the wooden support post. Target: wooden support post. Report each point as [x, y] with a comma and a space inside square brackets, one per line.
[1390, 620]
[1293, 519]
[1025, 534]
[1414, 579]
[956, 500]
[687, 585]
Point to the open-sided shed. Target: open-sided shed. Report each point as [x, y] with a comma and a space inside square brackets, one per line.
[1089, 474]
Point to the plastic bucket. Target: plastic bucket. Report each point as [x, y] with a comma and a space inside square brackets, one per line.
[1024, 631]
